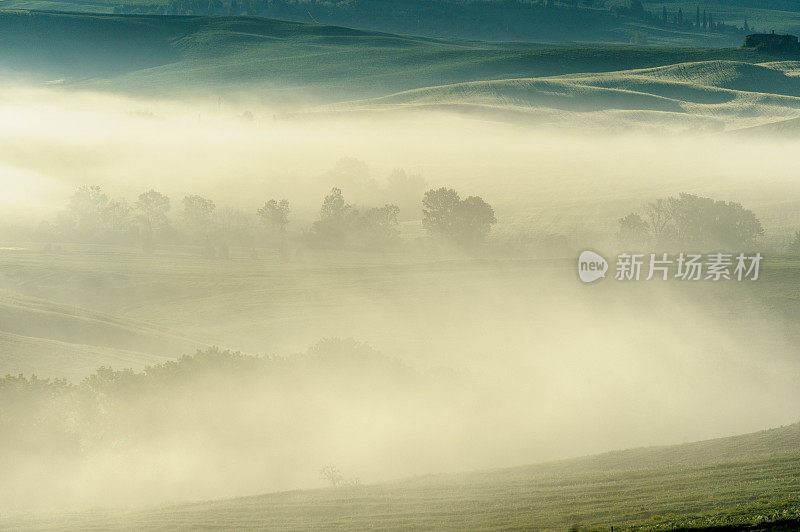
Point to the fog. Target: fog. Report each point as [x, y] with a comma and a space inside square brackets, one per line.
[54, 140]
[472, 360]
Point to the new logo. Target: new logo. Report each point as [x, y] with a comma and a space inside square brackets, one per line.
[591, 266]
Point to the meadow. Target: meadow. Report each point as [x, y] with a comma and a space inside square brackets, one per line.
[741, 482]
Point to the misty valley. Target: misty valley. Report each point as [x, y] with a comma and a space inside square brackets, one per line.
[386, 267]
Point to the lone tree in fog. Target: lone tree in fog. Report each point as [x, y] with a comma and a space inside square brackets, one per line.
[466, 222]
[275, 215]
[198, 215]
[331, 474]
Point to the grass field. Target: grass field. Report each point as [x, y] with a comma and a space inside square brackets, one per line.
[738, 481]
[116, 306]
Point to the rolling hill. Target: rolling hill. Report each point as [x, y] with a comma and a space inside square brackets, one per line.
[735, 482]
[67, 342]
[559, 20]
[173, 55]
[483, 19]
[706, 94]
[293, 65]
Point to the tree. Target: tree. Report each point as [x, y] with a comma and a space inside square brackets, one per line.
[704, 222]
[275, 215]
[332, 475]
[633, 230]
[378, 226]
[439, 208]
[694, 221]
[466, 222]
[336, 219]
[95, 215]
[153, 207]
[475, 219]
[198, 215]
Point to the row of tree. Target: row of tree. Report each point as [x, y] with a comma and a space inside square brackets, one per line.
[92, 215]
[704, 20]
[686, 220]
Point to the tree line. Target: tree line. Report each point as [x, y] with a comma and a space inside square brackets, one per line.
[91, 215]
[699, 21]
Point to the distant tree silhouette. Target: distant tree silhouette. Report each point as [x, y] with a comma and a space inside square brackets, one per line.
[152, 208]
[704, 222]
[336, 219]
[275, 215]
[332, 475]
[466, 222]
[378, 226]
[93, 215]
[694, 222]
[198, 215]
[633, 230]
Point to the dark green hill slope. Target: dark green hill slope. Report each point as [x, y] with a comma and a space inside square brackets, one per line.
[164, 55]
[494, 20]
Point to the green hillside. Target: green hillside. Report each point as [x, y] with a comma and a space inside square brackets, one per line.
[724, 93]
[527, 20]
[284, 60]
[736, 481]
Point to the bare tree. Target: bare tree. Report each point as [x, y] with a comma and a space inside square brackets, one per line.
[332, 474]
